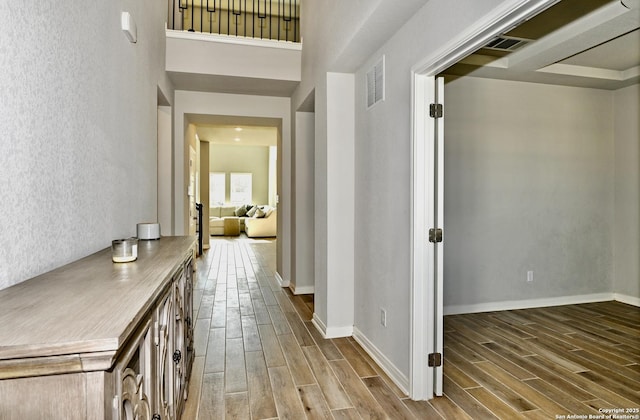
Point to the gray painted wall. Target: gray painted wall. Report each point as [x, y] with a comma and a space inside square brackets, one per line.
[247, 159]
[627, 191]
[383, 175]
[355, 30]
[78, 145]
[528, 186]
[302, 250]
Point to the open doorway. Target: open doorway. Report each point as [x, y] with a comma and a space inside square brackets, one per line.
[552, 55]
[193, 108]
[427, 276]
[239, 174]
[547, 142]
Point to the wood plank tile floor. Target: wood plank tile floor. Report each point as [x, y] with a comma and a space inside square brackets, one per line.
[259, 357]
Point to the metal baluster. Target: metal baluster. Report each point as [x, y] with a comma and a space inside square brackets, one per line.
[180, 5]
[287, 21]
[236, 13]
[293, 18]
[262, 14]
[173, 14]
[262, 17]
[180, 8]
[192, 15]
[211, 11]
[270, 18]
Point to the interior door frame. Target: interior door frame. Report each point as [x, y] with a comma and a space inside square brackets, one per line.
[423, 318]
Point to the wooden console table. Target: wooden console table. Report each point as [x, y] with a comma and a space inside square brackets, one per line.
[101, 340]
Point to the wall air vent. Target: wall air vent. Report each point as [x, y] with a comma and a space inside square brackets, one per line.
[375, 84]
[505, 43]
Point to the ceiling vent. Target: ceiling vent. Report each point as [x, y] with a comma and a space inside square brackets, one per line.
[505, 43]
[375, 84]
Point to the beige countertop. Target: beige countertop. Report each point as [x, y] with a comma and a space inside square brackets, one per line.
[86, 308]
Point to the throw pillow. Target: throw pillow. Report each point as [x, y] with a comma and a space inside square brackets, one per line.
[251, 212]
[260, 213]
[240, 211]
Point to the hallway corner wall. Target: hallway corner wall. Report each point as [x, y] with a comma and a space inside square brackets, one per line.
[303, 233]
[626, 253]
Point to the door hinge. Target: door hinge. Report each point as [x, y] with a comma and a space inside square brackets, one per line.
[435, 235]
[435, 360]
[435, 110]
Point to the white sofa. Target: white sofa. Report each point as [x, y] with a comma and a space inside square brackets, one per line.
[260, 226]
[264, 227]
[217, 214]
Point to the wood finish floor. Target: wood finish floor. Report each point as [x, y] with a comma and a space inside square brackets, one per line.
[545, 363]
[259, 357]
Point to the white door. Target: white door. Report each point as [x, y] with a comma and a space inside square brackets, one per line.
[428, 168]
[427, 278]
[435, 219]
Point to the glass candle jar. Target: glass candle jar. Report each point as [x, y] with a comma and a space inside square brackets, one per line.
[124, 250]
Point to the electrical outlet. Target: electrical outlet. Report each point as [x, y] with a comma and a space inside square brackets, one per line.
[383, 317]
[529, 276]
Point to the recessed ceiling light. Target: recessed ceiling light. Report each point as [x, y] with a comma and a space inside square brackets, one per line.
[236, 139]
[238, 128]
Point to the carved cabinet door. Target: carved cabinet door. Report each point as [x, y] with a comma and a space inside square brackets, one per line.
[134, 375]
[164, 353]
[179, 353]
[189, 319]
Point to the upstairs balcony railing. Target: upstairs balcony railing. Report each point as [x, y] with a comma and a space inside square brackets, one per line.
[264, 19]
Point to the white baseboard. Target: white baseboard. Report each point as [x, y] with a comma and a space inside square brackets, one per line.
[390, 369]
[317, 322]
[331, 332]
[281, 282]
[528, 303]
[303, 290]
[629, 300]
[339, 332]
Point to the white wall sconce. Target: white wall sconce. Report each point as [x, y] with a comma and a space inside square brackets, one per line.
[129, 27]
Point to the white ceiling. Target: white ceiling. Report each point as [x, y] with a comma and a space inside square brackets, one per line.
[620, 54]
[219, 129]
[240, 135]
[599, 49]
